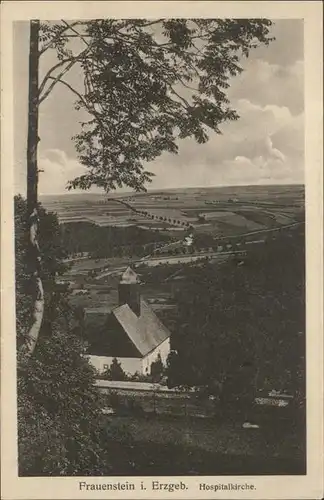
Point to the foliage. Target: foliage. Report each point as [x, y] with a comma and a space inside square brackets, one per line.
[52, 261]
[242, 324]
[58, 406]
[148, 84]
[103, 242]
[23, 300]
[58, 411]
[114, 372]
[49, 240]
[140, 377]
[157, 369]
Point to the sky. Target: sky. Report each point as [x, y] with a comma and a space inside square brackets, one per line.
[265, 146]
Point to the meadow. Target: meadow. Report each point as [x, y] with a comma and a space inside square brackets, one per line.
[178, 446]
[224, 211]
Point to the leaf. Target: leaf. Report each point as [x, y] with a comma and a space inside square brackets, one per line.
[149, 84]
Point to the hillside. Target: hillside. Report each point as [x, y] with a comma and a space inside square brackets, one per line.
[246, 312]
[98, 242]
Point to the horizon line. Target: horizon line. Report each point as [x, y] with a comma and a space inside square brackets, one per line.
[71, 193]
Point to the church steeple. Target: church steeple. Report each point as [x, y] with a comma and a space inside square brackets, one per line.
[129, 276]
[128, 291]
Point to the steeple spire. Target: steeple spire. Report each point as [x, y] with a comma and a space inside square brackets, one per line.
[129, 276]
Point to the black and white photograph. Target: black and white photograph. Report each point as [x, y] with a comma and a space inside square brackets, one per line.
[159, 251]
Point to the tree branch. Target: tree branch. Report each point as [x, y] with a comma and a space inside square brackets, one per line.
[186, 104]
[56, 79]
[91, 110]
[48, 76]
[70, 26]
[72, 60]
[59, 80]
[56, 38]
[151, 23]
[50, 71]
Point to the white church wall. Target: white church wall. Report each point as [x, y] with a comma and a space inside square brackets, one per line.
[163, 349]
[129, 365]
[133, 365]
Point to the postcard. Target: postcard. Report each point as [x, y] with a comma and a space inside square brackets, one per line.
[162, 250]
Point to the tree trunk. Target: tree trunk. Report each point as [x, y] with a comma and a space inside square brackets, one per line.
[33, 252]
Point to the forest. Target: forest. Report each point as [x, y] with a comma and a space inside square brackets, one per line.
[101, 242]
[242, 324]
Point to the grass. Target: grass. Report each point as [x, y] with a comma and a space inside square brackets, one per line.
[90, 264]
[166, 446]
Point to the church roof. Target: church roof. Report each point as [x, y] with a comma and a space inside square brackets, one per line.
[95, 318]
[129, 276]
[145, 331]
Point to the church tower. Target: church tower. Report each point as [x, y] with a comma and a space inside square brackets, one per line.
[128, 291]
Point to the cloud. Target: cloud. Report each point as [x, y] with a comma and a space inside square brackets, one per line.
[268, 83]
[264, 146]
[55, 156]
[288, 46]
[263, 170]
[58, 170]
[273, 152]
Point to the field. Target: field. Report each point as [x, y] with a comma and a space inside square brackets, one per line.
[240, 215]
[219, 211]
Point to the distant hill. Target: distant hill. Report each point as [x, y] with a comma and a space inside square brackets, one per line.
[222, 191]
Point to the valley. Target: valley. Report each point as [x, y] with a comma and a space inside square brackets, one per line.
[163, 234]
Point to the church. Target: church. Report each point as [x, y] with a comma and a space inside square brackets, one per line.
[130, 332]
